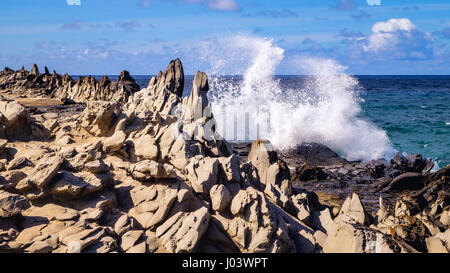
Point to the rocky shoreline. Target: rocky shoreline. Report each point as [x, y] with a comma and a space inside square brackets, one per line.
[89, 166]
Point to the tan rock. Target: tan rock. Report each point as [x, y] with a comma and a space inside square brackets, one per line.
[149, 170]
[435, 245]
[130, 238]
[445, 217]
[96, 166]
[220, 197]
[146, 148]
[45, 171]
[352, 211]
[349, 238]
[99, 117]
[182, 232]
[124, 224]
[150, 213]
[202, 174]
[17, 163]
[12, 204]
[52, 212]
[231, 168]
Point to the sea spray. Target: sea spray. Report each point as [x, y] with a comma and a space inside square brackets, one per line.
[325, 110]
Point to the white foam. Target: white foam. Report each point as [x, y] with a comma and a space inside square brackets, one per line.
[325, 110]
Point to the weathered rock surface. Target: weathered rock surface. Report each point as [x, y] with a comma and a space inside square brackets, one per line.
[64, 87]
[145, 171]
[12, 204]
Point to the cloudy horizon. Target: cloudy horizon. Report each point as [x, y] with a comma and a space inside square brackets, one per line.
[104, 37]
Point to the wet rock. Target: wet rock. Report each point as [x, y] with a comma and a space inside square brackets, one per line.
[313, 153]
[399, 162]
[306, 172]
[415, 163]
[407, 181]
[376, 168]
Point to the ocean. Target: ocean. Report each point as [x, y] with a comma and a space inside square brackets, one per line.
[413, 111]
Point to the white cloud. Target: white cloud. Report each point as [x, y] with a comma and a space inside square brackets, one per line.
[396, 35]
[73, 2]
[225, 5]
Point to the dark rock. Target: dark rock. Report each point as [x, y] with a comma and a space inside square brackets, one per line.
[429, 164]
[306, 173]
[313, 153]
[171, 79]
[376, 168]
[407, 181]
[415, 163]
[411, 163]
[12, 204]
[125, 76]
[399, 162]
[33, 83]
[67, 101]
[34, 70]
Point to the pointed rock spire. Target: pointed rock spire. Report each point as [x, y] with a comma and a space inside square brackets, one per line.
[104, 81]
[35, 70]
[172, 79]
[125, 76]
[46, 71]
[197, 100]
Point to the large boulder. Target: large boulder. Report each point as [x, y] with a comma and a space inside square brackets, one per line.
[407, 181]
[182, 232]
[202, 173]
[314, 154]
[12, 204]
[353, 238]
[99, 117]
[15, 121]
[220, 197]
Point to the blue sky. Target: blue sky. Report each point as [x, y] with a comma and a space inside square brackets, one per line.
[142, 36]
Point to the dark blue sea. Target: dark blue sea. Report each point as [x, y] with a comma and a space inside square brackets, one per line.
[413, 110]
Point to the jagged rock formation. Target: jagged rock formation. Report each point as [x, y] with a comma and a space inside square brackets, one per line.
[153, 175]
[16, 123]
[33, 84]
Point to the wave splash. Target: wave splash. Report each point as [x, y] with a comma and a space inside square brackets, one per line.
[325, 110]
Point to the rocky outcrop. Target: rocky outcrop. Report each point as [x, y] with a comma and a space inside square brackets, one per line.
[12, 204]
[153, 175]
[16, 123]
[23, 82]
